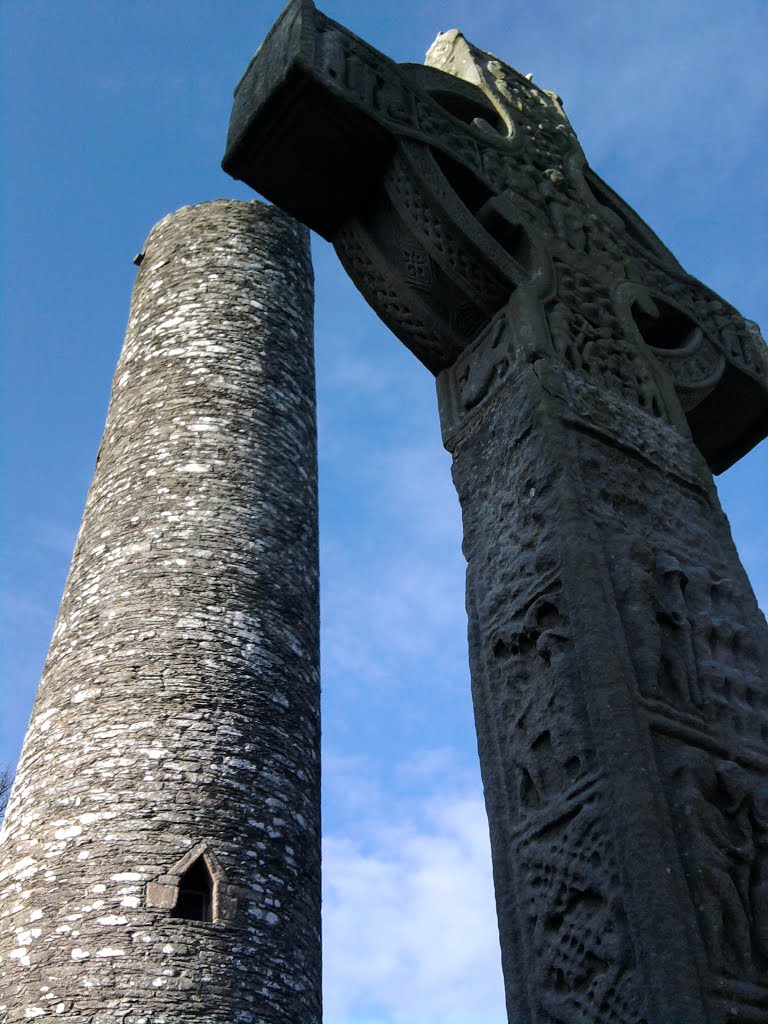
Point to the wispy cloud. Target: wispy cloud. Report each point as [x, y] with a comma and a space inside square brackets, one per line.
[398, 610]
[409, 922]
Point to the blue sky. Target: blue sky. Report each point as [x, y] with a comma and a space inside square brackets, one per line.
[116, 114]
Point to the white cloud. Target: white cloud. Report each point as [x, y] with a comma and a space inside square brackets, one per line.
[410, 932]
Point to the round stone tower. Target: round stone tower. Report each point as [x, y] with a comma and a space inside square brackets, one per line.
[160, 858]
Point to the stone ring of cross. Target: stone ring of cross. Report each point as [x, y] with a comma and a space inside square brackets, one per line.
[461, 204]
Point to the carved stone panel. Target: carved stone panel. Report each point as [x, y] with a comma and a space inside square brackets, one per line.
[698, 646]
[719, 809]
[607, 607]
[694, 633]
[585, 964]
[566, 940]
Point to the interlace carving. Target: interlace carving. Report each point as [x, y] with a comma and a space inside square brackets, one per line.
[576, 921]
[430, 225]
[589, 337]
[396, 313]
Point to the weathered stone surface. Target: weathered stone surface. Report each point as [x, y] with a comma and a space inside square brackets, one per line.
[178, 714]
[587, 386]
[619, 666]
[448, 187]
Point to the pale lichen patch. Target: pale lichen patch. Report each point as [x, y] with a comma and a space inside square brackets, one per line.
[70, 832]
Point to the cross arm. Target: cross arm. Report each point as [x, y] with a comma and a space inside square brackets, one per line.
[318, 114]
[296, 136]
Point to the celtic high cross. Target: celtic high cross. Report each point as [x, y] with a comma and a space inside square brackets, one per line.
[587, 388]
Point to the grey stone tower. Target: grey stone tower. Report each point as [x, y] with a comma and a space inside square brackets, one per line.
[160, 858]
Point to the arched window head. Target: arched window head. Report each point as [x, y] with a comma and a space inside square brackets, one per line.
[195, 888]
[195, 894]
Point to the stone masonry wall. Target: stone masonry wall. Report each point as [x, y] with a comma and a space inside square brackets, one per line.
[178, 714]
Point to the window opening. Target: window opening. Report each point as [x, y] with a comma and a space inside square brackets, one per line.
[195, 899]
[670, 330]
[469, 108]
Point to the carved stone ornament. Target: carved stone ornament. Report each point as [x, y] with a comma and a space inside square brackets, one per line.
[586, 386]
[446, 188]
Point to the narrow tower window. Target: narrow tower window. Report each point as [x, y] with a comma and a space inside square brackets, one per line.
[195, 888]
[195, 899]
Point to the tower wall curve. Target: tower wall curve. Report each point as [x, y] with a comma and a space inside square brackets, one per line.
[174, 741]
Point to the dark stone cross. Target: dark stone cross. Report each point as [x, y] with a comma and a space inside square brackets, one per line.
[587, 386]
